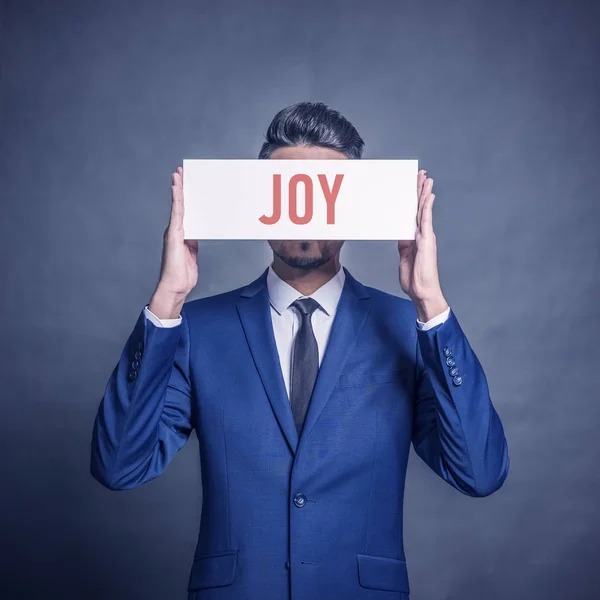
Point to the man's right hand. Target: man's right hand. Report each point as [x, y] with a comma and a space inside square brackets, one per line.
[179, 270]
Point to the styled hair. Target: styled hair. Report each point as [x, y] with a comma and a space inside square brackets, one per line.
[312, 124]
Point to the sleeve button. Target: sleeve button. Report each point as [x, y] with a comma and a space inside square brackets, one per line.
[447, 351]
[457, 380]
[138, 355]
[133, 375]
[454, 371]
[450, 361]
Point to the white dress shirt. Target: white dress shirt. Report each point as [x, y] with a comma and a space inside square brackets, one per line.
[286, 319]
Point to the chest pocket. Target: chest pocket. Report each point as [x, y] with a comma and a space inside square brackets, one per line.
[374, 377]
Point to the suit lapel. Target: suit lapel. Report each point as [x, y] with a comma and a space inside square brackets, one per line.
[350, 316]
[255, 313]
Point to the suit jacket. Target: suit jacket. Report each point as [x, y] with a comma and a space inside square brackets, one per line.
[318, 517]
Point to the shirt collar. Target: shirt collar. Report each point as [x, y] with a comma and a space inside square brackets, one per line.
[282, 294]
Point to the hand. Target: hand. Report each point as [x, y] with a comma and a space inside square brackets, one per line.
[179, 270]
[418, 272]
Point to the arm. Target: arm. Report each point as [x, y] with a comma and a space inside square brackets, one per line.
[457, 431]
[144, 417]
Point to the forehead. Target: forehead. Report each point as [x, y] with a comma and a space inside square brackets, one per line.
[306, 153]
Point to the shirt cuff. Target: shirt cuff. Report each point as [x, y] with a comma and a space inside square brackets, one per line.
[435, 321]
[161, 322]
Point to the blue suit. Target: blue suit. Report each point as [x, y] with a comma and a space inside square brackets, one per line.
[318, 517]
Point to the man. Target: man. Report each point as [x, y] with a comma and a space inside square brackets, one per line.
[306, 389]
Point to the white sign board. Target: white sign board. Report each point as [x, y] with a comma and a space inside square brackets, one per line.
[268, 199]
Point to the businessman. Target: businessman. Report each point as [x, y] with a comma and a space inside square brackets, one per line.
[306, 389]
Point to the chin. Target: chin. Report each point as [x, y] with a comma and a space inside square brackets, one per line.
[302, 254]
[303, 261]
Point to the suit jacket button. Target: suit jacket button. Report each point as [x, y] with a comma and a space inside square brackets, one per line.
[447, 351]
[299, 500]
[450, 361]
[457, 380]
[287, 564]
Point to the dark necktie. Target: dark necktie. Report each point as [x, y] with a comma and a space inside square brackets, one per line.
[305, 362]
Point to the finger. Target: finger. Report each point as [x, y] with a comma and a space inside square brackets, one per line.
[175, 185]
[178, 177]
[421, 176]
[427, 217]
[427, 187]
[176, 221]
[177, 202]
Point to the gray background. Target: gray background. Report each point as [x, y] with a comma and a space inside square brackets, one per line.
[100, 101]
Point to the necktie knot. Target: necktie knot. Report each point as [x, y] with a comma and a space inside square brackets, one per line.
[306, 306]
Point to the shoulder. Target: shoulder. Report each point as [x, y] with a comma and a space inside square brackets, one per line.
[394, 315]
[216, 304]
[385, 302]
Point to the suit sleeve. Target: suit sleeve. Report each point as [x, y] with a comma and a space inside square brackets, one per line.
[457, 431]
[144, 417]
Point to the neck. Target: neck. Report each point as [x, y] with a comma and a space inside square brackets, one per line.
[306, 281]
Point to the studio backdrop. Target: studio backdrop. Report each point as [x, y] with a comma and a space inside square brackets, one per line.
[101, 101]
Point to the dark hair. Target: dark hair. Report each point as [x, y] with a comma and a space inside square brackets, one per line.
[312, 124]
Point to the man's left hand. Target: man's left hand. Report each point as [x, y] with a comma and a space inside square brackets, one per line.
[418, 272]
